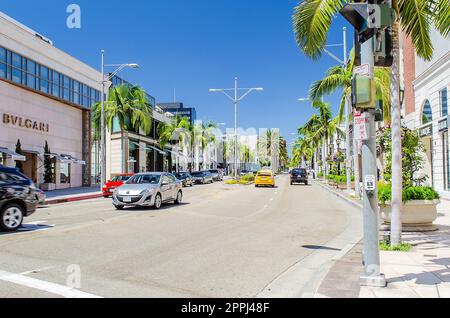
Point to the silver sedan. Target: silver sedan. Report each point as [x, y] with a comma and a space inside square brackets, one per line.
[148, 189]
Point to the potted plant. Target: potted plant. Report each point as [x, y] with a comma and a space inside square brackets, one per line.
[49, 180]
[419, 202]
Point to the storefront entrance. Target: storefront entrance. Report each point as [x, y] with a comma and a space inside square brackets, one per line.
[30, 166]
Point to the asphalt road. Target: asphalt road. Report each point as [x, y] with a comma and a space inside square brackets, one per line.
[224, 241]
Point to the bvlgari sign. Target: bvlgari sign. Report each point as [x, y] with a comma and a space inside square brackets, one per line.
[23, 122]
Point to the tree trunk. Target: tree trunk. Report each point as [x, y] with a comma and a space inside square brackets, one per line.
[396, 222]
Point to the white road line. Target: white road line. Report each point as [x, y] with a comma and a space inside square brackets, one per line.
[35, 271]
[48, 287]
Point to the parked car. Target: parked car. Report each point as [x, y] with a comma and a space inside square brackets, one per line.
[202, 177]
[244, 172]
[265, 178]
[185, 178]
[114, 183]
[40, 197]
[17, 198]
[216, 174]
[299, 176]
[148, 189]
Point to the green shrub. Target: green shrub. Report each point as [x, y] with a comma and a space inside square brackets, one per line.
[248, 178]
[409, 194]
[386, 246]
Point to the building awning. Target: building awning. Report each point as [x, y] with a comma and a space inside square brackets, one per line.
[60, 158]
[14, 155]
[74, 160]
[33, 152]
[150, 148]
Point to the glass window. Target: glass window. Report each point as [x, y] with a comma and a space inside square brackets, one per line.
[2, 55]
[44, 73]
[44, 86]
[16, 75]
[17, 61]
[65, 173]
[31, 67]
[427, 114]
[2, 70]
[444, 102]
[55, 85]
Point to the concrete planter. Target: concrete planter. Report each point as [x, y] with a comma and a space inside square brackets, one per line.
[48, 187]
[417, 216]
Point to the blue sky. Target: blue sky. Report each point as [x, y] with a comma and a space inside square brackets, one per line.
[194, 45]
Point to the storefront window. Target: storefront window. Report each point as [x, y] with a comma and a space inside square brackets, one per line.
[427, 114]
[17, 68]
[65, 173]
[444, 102]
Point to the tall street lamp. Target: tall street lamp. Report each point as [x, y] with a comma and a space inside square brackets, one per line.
[106, 80]
[236, 99]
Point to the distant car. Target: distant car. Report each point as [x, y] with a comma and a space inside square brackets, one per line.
[148, 189]
[40, 197]
[202, 177]
[114, 183]
[17, 198]
[299, 176]
[265, 178]
[245, 172]
[217, 175]
[185, 178]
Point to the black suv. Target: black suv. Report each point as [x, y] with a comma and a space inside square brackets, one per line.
[17, 198]
[299, 176]
[185, 178]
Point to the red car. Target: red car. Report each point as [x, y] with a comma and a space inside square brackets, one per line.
[114, 183]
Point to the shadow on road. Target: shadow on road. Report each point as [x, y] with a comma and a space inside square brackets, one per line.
[317, 247]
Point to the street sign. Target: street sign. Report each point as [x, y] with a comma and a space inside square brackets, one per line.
[370, 183]
[362, 127]
[364, 70]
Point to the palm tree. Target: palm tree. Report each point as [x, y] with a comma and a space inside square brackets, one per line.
[177, 130]
[321, 128]
[338, 77]
[283, 155]
[202, 136]
[130, 106]
[312, 20]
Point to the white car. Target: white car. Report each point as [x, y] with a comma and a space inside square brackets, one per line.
[148, 189]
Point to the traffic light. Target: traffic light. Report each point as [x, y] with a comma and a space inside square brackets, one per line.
[382, 48]
[368, 17]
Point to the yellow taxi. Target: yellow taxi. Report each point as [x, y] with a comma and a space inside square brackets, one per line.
[265, 178]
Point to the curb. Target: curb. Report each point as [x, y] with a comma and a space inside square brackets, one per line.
[340, 195]
[73, 199]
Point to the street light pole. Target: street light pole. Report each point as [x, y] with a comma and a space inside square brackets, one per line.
[348, 166]
[102, 127]
[236, 99]
[102, 116]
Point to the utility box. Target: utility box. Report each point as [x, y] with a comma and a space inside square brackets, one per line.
[363, 92]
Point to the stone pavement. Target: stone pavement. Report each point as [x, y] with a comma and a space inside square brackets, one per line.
[422, 273]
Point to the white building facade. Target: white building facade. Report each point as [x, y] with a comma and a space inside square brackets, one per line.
[46, 95]
[430, 116]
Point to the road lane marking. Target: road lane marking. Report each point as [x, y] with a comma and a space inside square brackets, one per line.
[41, 285]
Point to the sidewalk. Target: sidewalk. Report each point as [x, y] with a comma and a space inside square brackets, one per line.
[422, 273]
[73, 194]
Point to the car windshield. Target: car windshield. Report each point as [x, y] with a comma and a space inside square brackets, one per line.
[298, 171]
[120, 178]
[264, 174]
[198, 174]
[145, 179]
[181, 175]
[214, 171]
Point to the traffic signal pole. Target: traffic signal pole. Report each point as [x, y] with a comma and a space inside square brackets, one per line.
[372, 275]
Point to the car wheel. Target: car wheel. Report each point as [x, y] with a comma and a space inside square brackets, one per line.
[158, 201]
[119, 207]
[11, 217]
[179, 199]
